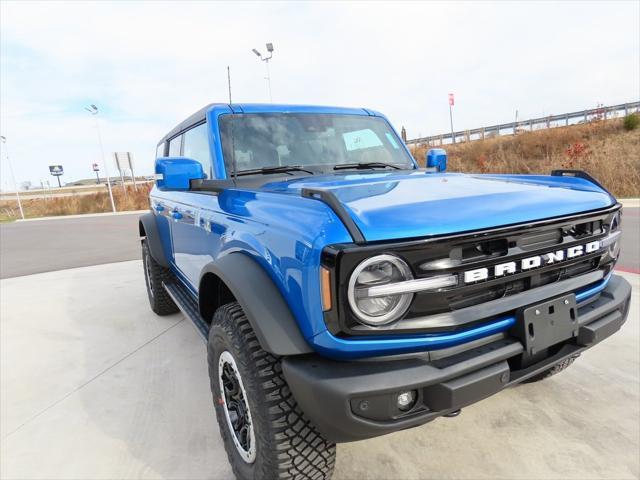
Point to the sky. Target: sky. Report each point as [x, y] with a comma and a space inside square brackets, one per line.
[148, 65]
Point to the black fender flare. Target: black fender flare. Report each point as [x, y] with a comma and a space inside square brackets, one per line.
[149, 229]
[267, 311]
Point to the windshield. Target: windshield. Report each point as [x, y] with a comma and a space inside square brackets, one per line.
[316, 141]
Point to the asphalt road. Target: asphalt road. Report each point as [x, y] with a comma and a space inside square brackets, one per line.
[630, 255]
[48, 245]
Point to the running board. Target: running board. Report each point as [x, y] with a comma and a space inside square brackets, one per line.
[188, 306]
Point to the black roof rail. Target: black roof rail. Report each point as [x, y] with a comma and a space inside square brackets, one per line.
[578, 174]
[328, 197]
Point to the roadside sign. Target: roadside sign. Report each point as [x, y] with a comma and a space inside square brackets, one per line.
[96, 168]
[124, 161]
[56, 170]
[451, 102]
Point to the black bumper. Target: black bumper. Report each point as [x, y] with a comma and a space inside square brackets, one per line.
[356, 400]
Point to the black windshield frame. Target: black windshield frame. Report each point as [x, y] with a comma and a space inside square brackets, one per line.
[314, 141]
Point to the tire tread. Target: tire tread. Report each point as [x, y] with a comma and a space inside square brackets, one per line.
[295, 448]
[161, 303]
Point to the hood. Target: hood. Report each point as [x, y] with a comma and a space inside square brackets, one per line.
[402, 205]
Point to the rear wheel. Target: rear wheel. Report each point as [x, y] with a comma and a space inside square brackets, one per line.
[265, 433]
[557, 368]
[154, 274]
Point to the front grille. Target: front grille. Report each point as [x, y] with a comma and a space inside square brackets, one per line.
[511, 287]
[458, 254]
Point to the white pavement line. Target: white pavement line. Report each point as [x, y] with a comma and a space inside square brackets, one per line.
[95, 377]
[84, 215]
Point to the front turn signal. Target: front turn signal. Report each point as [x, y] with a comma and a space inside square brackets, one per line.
[325, 288]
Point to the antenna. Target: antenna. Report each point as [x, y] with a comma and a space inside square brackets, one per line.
[229, 82]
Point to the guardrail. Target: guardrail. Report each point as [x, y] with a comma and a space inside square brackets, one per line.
[566, 119]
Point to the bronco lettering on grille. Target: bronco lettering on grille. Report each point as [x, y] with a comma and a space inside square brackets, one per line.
[508, 268]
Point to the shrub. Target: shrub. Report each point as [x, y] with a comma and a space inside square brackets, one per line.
[97, 202]
[602, 148]
[631, 121]
[576, 151]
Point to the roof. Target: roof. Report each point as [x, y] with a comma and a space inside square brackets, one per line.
[201, 114]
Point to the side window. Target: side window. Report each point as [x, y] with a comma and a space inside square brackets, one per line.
[174, 146]
[160, 150]
[196, 146]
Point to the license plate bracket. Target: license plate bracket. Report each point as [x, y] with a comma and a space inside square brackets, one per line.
[544, 324]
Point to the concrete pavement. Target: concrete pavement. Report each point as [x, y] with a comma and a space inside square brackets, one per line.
[94, 386]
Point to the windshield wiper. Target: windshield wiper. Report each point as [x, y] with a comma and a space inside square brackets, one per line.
[268, 170]
[364, 165]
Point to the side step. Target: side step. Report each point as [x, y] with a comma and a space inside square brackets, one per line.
[187, 305]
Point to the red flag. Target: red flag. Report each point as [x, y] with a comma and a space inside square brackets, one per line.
[451, 99]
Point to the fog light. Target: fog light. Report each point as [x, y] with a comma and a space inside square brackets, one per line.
[406, 400]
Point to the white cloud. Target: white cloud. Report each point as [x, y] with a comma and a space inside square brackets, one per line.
[150, 64]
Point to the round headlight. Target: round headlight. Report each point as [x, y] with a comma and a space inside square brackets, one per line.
[614, 226]
[376, 271]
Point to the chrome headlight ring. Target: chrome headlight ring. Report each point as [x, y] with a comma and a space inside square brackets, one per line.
[614, 232]
[396, 304]
[382, 288]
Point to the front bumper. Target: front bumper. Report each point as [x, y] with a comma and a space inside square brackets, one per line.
[356, 400]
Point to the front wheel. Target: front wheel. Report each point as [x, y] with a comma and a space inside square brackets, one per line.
[154, 274]
[265, 433]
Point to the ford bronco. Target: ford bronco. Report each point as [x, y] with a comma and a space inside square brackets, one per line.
[346, 293]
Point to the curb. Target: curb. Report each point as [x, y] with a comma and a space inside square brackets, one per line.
[84, 215]
[630, 202]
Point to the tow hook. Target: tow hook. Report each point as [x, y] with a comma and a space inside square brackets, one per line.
[455, 413]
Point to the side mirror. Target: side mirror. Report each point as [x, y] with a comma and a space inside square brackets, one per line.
[176, 173]
[437, 160]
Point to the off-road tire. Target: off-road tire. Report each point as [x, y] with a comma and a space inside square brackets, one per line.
[154, 274]
[557, 368]
[288, 446]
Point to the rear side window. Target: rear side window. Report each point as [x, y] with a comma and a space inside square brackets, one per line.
[174, 146]
[160, 150]
[196, 146]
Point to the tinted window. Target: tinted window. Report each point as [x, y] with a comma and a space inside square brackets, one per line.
[196, 146]
[313, 140]
[174, 146]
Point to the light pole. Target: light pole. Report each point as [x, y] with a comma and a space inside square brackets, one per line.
[266, 60]
[13, 179]
[451, 103]
[93, 110]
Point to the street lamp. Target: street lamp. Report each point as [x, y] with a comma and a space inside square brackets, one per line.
[13, 179]
[266, 60]
[93, 110]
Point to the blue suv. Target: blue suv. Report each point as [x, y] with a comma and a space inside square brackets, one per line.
[346, 293]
